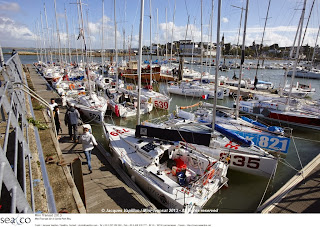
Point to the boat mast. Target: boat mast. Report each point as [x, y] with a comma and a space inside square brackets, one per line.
[44, 40]
[297, 52]
[174, 12]
[67, 28]
[150, 64]
[124, 31]
[166, 36]
[201, 46]
[264, 29]
[115, 43]
[315, 47]
[157, 34]
[242, 58]
[217, 67]
[211, 28]
[41, 35]
[140, 60]
[50, 51]
[85, 48]
[58, 34]
[290, 57]
[102, 33]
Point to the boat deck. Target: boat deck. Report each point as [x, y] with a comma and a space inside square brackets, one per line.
[245, 92]
[107, 189]
[301, 194]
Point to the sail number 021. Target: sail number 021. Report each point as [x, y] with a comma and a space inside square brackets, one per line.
[238, 160]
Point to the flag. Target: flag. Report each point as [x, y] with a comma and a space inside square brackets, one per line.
[205, 96]
[81, 34]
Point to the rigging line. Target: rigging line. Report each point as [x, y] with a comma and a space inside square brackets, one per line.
[271, 177]
[284, 162]
[315, 141]
[305, 31]
[298, 157]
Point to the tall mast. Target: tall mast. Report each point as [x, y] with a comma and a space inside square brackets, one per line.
[157, 33]
[174, 12]
[315, 46]
[85, 47]
[44, 40]
[298, 50]
[75, 40]
[201, 46]
[124, 31]
[58, 34]
[102, 33]
[166, 36]
[264, 29]
[290, 57]
[211, 28]
[67, 28]
[140, 59]
[47, 28]
[150, 46]
[242, 58]
[115, 43]
[217, 67]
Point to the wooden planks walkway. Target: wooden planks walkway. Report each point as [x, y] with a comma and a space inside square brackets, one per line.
[301, 194]
[106, 190]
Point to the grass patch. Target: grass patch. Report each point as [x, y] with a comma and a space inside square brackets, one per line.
[37, 123]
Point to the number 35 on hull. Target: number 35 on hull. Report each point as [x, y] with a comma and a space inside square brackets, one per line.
[252, 164]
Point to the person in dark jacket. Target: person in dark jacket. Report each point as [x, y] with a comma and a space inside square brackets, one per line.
[56, 119]
[255, 82]
[13, 52]
[71, 119]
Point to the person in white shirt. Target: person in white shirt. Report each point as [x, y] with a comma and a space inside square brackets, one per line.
[88, 142]
[52, 104]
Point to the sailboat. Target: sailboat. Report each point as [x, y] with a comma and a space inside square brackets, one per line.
[173, 173]
[244, 154]
[286, 109]
[91, 105]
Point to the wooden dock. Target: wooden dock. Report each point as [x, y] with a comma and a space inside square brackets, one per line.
[107, 189]
[301, 194]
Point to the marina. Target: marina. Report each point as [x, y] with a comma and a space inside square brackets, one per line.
[178, 135]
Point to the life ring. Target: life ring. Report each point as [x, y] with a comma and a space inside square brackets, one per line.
[209, 176]
[72, 86]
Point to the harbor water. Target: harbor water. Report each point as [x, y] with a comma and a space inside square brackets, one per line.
[245, 191]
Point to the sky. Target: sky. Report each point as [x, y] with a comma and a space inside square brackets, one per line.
[23, 22]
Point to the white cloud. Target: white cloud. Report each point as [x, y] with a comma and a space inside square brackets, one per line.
[9, 6]
[225, 20]
[282, 35]
[15, 34]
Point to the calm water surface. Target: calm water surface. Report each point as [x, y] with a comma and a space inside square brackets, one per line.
[245, 191]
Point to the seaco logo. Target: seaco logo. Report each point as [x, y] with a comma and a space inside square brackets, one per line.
[15, 221]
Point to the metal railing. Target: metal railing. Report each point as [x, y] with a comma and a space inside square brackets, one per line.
[15, 156]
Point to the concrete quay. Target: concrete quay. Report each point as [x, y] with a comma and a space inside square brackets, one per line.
[108, 189]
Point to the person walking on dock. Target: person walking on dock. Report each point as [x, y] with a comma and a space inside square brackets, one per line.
[71, 119]
[57, 120]
[255, 82]
[52, 104]
[88, 143]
